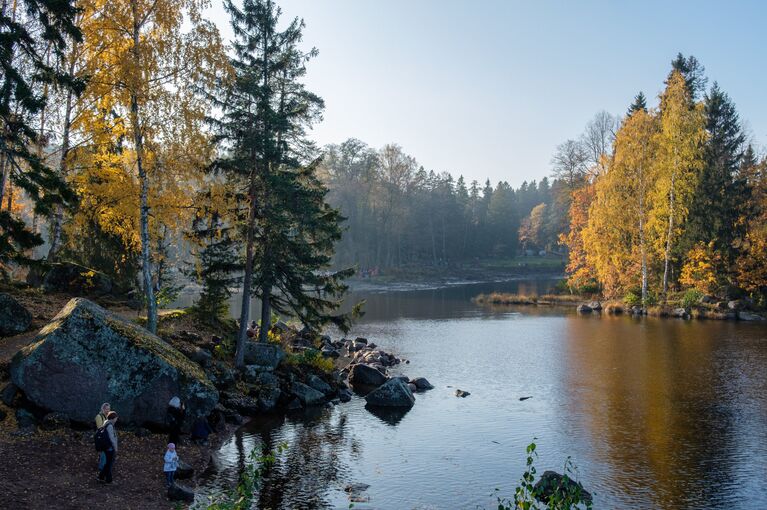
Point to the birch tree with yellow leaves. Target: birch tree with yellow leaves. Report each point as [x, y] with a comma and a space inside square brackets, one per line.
[148, 121]
[679, 162]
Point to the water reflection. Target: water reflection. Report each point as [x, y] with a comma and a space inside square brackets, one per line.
[656, 413]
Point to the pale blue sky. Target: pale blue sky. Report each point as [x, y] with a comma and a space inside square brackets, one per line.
[489, 88]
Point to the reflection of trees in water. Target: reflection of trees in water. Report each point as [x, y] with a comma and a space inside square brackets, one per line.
[660, 405]
[310, 465]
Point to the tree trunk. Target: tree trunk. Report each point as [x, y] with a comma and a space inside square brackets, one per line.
[266, 313]
[242, 336]
[151, 308]
[642, 247]
[668, 237]
[58, 214]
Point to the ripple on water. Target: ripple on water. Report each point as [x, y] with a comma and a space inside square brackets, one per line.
[655, 414]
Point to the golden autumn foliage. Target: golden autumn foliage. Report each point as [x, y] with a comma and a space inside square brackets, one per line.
[700, 269]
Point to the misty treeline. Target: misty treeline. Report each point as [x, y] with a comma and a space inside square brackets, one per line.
[398, 214]
[676, 202]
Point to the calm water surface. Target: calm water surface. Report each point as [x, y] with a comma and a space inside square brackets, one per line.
[655, 413]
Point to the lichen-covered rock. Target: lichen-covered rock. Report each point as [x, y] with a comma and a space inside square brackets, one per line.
[263, 354]
[394, 393]
[14, 318]
[88, 356]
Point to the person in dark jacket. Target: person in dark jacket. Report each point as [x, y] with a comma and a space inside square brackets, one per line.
[105, 474]
[200, 431]
[175, 420]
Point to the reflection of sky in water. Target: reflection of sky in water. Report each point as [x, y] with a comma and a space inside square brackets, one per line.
[655, 413]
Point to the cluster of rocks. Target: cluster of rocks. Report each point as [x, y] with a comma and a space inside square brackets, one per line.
[737, 309]
[88, 355]
[368, 374]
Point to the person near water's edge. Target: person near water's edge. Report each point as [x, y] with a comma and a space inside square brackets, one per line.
[175, 419]
[105, 474]
[100, 419]
[252, 331]
[171, 464]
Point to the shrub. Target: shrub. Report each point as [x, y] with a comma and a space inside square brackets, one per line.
[691, 298]
[312, 358]
[632, 298]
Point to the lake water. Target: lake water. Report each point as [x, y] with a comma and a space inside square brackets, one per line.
[655, 413]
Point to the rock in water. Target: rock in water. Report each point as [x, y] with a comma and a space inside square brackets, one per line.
[584, 308]
[422, 384]
[14, 318]
[180, 493]
[552, 483]
[319, 385]
[366, 375]
[307, 395]
[184, 470]
[394, 393]
[88, 355]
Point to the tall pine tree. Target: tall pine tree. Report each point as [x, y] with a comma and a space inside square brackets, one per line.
[29, 29]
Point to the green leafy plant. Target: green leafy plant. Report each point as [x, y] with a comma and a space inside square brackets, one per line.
[564, 494]
[242, 496]
[691, 298]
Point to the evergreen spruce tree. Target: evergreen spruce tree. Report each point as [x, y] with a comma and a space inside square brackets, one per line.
[218, 259]
[29, 29]
[289, 231]
[640, 103]
[721, 193]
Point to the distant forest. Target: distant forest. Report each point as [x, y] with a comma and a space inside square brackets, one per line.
[397, 213]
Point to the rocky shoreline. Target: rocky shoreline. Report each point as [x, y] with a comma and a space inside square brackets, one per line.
[708, 307]
[87, 354]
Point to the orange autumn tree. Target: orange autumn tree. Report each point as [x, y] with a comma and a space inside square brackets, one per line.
[617, 235]
[579, 270]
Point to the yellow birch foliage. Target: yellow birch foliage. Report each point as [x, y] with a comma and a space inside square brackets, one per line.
[617, 233]
[680, 159]
[178, 52]
[700, 269]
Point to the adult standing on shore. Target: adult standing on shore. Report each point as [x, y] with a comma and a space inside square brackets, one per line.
[105, 474]
[175, 419]
[100, 419]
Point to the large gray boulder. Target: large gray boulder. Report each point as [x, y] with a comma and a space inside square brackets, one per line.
[306, 394]
[263, 354]
[366, 376]
[394, 393]
[89, 355]
[14, 318]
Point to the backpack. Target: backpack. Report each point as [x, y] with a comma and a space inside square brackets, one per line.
[101, 439]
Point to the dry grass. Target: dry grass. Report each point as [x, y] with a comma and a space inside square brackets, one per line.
[708, 313]
[659, 311]
[499, 298]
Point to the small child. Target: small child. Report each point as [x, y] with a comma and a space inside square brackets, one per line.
[171, 464]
